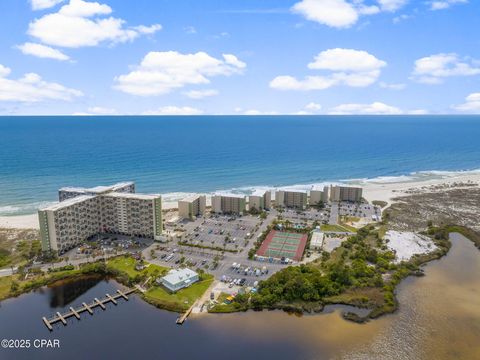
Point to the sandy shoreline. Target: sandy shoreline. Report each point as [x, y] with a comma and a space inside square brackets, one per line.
[371, 191]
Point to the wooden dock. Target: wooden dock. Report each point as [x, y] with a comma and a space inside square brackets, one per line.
[87, 307]
[181, 319]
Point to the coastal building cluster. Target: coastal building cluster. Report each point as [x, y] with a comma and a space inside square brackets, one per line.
[84, 212]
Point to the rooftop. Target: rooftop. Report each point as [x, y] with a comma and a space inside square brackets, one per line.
[97, 189]
[238, 196]
[191, 198]
[133, 196]
[293, 191]
[69, 202]
[176, 276]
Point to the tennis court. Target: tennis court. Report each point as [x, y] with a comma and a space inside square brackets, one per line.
[280, 244]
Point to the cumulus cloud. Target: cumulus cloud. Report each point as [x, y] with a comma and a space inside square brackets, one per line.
[161, 72]
[376, 108]
[445, 4]
[200, 94]
[44, 4]
[31, 88]
[434, 68]
[472, 104]
[80, 23]
[348, 67]
[174, 110]
[398, 86]
[342, 13]
[42, 51]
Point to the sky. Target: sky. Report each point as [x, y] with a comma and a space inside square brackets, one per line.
[244, 57]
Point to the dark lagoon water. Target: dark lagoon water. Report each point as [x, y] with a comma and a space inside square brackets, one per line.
[439, 318]
[173, 155]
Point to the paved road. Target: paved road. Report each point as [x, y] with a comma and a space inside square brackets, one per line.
[333, 214]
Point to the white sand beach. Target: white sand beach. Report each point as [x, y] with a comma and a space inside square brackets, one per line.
[386, 191]
[19, 222]
[373, 189]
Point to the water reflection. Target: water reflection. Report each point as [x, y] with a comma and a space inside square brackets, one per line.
[60, 296]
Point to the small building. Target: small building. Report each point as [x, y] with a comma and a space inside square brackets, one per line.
[179, 279]
[316, 242]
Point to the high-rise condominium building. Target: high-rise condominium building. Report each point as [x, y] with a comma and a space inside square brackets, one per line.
[291, 199]
[260, 200]
[192, 206]
[72, 221]
[229, 204]
[345, 193]
[317, 196]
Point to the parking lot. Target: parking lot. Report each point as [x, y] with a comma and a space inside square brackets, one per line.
[221, 232]
[307, 216]
[359, 210]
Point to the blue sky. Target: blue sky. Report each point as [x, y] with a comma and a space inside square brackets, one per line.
[239, 57]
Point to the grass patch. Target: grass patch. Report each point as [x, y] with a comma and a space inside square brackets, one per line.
[5, 285]
[182, 299]
[380, 203]
[125, 265]
[337, 228]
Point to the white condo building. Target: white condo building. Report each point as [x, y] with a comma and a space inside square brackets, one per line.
[72, 221]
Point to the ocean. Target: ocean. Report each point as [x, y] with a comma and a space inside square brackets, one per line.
[178, 155]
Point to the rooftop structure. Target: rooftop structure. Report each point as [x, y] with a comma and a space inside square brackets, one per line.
[192, 206]
[291, 199]
[66, 193]
[179, 279]
[316, 241]
[229, 204]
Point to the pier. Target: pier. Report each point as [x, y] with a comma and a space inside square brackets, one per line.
[87, 308]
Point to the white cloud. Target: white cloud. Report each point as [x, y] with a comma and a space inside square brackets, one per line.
[44, 4]
[342, 13]
[445, 4]
[174, 110]
[80, 23]
[161, 72]
[376, 108]
[398, 19]
[31, 88]
[99, 110]
[200, 94]
[472, 104]
[385, 85]
[313, 107]
[348, 67]
[42, 51]
[334, 13]
[392, 5]
[434, 68]
[190, 30]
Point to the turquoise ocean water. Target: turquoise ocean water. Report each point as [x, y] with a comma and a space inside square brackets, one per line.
[178, 155]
